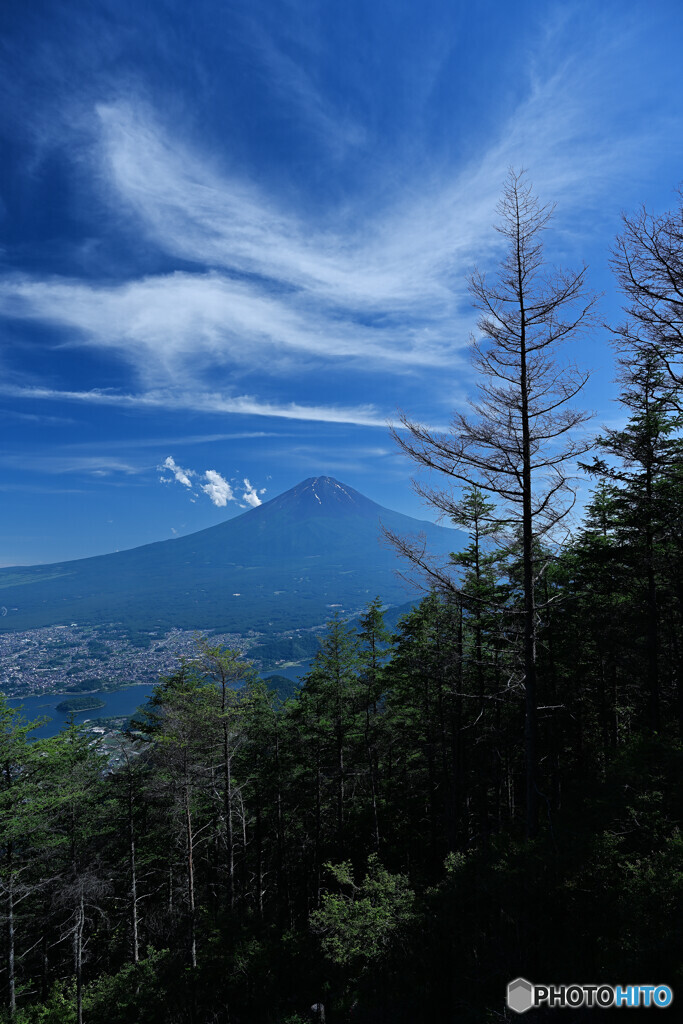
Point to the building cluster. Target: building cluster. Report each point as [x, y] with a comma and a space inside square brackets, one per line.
[74, 658]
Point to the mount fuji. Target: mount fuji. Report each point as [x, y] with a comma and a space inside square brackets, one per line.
[288, 563]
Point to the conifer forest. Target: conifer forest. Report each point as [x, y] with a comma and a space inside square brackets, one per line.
[491, 789]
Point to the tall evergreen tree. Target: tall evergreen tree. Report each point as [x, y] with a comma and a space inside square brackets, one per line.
[374, 641]
[645, 451]
[23, 829]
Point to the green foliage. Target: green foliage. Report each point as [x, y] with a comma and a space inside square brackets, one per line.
[138, 991]
[361, 845]
[301, 647]
[80, 704]
[367, 922]
[282, 686]
[58, 1008]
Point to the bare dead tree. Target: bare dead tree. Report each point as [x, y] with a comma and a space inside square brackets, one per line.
[518, 446]
[647, 260]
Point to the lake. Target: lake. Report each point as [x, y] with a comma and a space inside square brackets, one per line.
[117, 703]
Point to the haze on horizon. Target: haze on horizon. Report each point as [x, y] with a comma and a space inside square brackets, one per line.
[236, 239]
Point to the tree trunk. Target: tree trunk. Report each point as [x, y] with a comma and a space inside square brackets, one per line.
[78, 959]
[190, 879]
[455, 815]
[11, 980]
[258, 834]
[133, 876]
[652, 635]
[530, 699]
[227, 801]
[318, 830]
[339, 730]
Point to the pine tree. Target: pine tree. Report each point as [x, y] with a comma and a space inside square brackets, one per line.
[226, 667]
[22, 826]
[646, 451]
[332, 682]
[73, 777]
[374, 651]
[183, 719]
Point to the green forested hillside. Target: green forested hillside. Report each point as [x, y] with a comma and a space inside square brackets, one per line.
[363, 845]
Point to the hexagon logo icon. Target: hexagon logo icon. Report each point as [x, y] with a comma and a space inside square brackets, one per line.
[520, 995]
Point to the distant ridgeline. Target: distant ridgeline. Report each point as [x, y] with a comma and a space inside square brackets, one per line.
[304, 645]
[288, 564]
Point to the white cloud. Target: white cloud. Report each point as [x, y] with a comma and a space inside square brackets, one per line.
[183, 323]
[165, 442]
[296, 90]
[59, 461]
[251, 495]
[208, 402]
[181, 475]
[366, 284]
[274, 288]
[409, 257]
[411, 254]
[217, 488]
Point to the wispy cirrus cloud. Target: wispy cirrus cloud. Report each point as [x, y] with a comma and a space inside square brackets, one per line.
[294, 87]
[409, 256]
[164, 323]
[61, 462]
[206, 402]
[278, 289]
[166, 442]
[411, 250]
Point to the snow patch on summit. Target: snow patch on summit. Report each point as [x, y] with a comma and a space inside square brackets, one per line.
[344, 491]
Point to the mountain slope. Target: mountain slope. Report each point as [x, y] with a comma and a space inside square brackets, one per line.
[284, 564]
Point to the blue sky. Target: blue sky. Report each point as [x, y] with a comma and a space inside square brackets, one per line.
[236, 236]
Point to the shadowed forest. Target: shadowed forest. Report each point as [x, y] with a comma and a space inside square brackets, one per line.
[491, 790]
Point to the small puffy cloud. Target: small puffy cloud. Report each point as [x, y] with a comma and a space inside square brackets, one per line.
[217, 488]
[210, 482]
[251, 495]
[181, 475]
